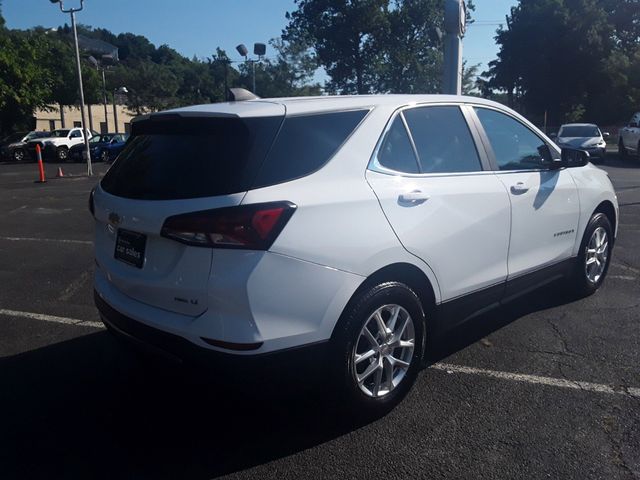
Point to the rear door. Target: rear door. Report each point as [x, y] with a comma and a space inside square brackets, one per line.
[170, 166]
[443, 206]
[544, 203]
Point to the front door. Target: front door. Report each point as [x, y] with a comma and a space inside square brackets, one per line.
[544, 203]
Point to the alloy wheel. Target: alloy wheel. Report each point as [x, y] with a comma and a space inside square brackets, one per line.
[596, 255]
[383, 351]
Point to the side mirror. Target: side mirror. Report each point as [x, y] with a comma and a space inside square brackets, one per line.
[548, 160]
[606, 134]
[571, 157]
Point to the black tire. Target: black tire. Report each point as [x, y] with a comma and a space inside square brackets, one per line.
[18, 155]
[358, 312]
[622, 151]
[580, 283]
[62, 154]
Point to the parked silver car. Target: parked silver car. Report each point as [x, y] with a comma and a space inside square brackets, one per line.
[583, 136]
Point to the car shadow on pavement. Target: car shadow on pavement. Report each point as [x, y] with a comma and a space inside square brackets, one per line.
[477, 328]
[89, 408]
[85, 408]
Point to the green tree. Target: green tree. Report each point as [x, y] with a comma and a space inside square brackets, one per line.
[373, 46]
[570, 58]
[470, 85]
[24, 83]
[342, 35]
[410, 52]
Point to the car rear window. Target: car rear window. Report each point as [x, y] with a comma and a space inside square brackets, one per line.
[305, 144]
[177, 158]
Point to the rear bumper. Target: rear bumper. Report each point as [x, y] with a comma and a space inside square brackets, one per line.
[256, 302]
[179, 349]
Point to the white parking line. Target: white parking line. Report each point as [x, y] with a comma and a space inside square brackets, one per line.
[550, 381]
[74, 286]
[622, 277]
[59, 240]
[446, 367]
[625, 267]
[51, 318]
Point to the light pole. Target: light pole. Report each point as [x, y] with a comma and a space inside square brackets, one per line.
[72, 12]
[259, 49]
[100, 67]
[455, 17]
[115, 110]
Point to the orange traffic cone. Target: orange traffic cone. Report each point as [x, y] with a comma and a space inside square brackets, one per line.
[60, 173]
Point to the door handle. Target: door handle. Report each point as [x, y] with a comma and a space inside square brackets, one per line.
[519, 188]
[415, 197]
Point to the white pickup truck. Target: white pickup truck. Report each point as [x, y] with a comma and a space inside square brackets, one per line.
[629, 141]
[58, 144]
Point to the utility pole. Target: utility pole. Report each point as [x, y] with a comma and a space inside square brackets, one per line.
[72, 12]
[455, 16]
[104, 100]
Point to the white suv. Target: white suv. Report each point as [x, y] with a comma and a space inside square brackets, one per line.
[361, 226]
[58, 144]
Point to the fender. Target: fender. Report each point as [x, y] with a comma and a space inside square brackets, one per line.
[594, 188]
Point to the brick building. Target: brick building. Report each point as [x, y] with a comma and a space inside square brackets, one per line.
[70, 117]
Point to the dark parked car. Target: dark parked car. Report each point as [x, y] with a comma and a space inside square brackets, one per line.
[111, 151]
[13, 147]
[96, 145]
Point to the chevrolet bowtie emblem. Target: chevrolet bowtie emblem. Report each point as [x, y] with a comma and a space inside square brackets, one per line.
[114, 219]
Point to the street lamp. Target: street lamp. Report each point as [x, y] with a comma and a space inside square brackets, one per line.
[259, 49]
[121, 90]
[101, 67]
[72, 12]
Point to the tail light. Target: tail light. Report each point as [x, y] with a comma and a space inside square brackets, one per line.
[251, 227]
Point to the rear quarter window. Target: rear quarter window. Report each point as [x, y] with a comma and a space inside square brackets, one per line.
[305, 144]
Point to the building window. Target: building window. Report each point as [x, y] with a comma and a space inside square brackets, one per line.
[77, 124]
[52, 125]
[103, 127]
[127, 127]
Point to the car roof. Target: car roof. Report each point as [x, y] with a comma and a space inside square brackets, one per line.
[304, 105]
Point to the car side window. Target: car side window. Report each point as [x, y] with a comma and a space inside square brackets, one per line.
[442, 138]
[305, 144]
[514, 145]
[396, 152]
[75, 134]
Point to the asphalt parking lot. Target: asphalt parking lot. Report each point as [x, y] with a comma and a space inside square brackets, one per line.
[544, 388]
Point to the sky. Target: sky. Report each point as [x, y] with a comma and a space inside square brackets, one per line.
[197, 27]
